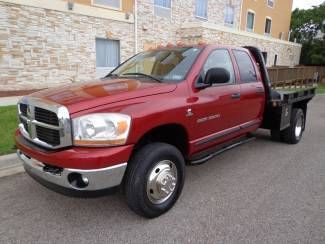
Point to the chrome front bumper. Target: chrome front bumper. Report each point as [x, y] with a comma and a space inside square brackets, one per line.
[64, 178]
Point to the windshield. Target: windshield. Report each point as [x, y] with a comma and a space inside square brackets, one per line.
[161, 65]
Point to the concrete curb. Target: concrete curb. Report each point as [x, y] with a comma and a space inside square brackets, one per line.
[10, 165]
[6, 101]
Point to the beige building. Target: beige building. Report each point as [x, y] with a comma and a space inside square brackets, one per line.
[267, 17]
[50, 42]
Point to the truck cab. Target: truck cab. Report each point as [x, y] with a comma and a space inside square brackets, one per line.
[160, 110]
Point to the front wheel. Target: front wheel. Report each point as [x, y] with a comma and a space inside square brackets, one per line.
[154, 179]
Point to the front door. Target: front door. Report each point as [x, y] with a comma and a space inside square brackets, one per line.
[216, 111]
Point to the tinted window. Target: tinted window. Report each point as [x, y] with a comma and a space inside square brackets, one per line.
[250, 21]
[219, 59]
[268, 23]
[246, 67]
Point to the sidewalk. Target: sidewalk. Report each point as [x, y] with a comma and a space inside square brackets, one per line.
[6, 101]
[10, 164]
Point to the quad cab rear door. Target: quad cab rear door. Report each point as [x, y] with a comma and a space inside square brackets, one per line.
[252, 92]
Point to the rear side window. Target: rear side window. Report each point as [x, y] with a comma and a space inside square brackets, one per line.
[246, 67]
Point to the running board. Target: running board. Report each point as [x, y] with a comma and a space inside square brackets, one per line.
[223, 149]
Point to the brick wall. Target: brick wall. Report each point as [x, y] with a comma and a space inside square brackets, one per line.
[41, 48]
[288, 54]
[153, 30]
[183, 25]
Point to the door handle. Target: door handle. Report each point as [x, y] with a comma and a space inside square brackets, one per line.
[235, 96]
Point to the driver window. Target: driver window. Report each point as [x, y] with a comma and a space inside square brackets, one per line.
[219, 59]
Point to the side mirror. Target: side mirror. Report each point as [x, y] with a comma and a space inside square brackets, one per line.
[216, 76]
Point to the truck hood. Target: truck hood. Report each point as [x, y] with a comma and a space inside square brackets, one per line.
[83, 96]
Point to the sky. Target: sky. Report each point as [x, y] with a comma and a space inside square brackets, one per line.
[306, 4]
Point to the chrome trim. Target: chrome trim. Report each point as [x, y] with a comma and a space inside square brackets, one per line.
[227, 132]
[299, 126]
[54, 127]
[62, 113]
[99, 179]
[249, 124]
[218, 135]
[161, 182]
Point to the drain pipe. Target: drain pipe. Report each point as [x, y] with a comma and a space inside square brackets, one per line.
[135, 27]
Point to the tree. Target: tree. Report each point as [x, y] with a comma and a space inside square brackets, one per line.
[308, 28]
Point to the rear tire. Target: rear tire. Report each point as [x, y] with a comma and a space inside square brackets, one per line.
[293, 133]
[154, 179]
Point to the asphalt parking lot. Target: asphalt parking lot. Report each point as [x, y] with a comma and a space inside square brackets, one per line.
[260, 192]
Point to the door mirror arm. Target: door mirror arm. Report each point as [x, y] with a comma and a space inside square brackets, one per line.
[201, 82]
[201, 85]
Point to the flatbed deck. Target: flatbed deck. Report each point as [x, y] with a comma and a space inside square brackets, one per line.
[293, 96]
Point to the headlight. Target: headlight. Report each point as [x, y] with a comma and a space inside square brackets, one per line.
[101, 129]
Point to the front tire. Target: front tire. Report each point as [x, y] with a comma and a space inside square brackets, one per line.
[154, 179]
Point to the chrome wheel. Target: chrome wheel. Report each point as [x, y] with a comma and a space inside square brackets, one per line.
[299, 126]
[162, 181]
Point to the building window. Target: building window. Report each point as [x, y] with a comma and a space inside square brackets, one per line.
[229, 14]
[268, 25]
[107, 55]
[270, 3]
[108, 3]
[201, 9]
[250, 21]
[163, 8]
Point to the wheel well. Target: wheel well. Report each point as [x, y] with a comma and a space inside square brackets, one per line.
[302, 105]
[173, 134]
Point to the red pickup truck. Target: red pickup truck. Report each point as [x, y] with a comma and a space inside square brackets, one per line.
[141, 124]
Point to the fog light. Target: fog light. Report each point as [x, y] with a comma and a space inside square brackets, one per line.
[78, 180]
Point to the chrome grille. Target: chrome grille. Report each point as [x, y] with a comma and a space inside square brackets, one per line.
[46, 116]
[23, 109]
[47, 135]
[44, 123]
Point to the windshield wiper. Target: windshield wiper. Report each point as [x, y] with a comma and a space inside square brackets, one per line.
[112, 75]
[145, 75]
